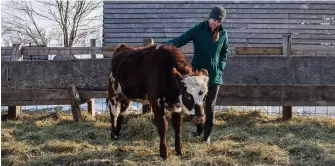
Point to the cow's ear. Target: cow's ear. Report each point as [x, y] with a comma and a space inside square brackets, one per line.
[204, 72]
[177, 77]
[176, 74]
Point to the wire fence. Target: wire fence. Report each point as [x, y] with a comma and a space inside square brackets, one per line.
[101, 108]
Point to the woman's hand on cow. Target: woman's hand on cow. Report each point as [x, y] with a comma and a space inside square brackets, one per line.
[157, 47]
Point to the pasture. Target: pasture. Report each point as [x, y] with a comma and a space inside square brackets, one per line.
[239, 138]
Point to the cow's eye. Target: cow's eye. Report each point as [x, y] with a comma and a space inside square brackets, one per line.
[200, 93]
[188, 96]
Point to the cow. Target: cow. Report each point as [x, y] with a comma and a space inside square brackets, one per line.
[159, 77]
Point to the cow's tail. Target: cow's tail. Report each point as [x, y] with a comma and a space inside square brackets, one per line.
[109, 91]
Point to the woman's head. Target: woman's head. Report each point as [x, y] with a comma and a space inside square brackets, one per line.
[216, 17]
[218, 13]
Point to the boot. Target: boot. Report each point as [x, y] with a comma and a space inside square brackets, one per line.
[207, 134]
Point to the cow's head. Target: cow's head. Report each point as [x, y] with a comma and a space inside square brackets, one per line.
[193, 91]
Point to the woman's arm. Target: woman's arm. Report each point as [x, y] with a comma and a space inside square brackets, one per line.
[223, 53]
[184, 38]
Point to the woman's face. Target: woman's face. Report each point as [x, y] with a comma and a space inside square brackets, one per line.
[214, 23]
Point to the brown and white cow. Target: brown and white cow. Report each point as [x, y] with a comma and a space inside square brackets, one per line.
[160, 77]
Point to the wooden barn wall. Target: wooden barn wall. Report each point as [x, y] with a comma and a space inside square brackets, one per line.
[249, 24]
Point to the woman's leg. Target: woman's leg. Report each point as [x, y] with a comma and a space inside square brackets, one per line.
[210, 103]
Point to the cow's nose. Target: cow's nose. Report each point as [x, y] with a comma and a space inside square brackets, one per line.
[199, 111]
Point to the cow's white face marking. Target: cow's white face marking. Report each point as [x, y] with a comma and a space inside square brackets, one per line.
[197, 87]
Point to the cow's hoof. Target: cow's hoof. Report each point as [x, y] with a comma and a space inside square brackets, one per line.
[164, 158]
[179, 153]
[114, 137]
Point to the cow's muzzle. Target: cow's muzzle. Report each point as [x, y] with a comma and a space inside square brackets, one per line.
[199, 117]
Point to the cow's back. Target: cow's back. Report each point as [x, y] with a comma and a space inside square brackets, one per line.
[130, 68]
[147, 71]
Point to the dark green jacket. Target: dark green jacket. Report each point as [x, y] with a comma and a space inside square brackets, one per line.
[207, 54]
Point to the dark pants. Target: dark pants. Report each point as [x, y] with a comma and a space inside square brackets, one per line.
[210, 102]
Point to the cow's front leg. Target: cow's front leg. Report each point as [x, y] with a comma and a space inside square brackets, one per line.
[114, 114]
[125, 105]
[176, 122]
[161, 124]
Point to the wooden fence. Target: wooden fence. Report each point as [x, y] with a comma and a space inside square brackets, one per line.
[283, 80]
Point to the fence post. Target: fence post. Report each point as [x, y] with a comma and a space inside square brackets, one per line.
[74, 95]
[15, 111]
[146, 108]
[91, 104]
[287, 45]
[287, 110]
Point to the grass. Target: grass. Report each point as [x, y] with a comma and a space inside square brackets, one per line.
[239, 138]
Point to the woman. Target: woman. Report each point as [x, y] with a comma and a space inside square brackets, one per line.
[210, 43]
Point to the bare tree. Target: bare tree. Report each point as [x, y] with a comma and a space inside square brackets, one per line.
[21, 25]
[75, 18]
[73, 21]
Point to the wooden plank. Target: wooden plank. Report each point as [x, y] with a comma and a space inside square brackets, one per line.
[288, 26]
[312, 36]
[313, 53]
[108, 6]
[35, 102]
[312, 16]
[60, 50]
[182, 30]
[230, 11]
[324, 2]
[259, 51]
[192, 15]
[44, 96]
[230, 45]
[75, 99]
[313, 47]
[132, 40]
[166, 25]
[311, 41]
[159, 40]
[228, 20]
[276, 95]
[312, 31]
[34, 94]
[242, 5]
[265, 41]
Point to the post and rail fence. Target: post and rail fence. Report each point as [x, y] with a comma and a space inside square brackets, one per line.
[262, 76]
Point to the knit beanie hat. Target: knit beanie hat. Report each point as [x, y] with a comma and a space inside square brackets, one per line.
[218, 13]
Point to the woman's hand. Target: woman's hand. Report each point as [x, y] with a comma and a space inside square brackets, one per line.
[157, 47]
